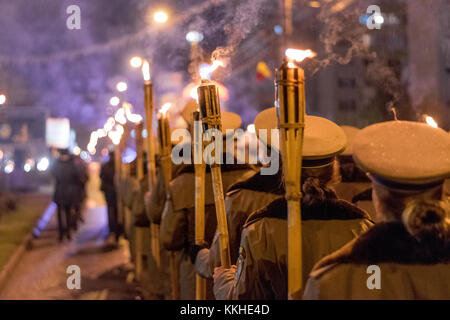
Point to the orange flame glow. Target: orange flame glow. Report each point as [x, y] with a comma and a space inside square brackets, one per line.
[190, 91]
[165, 108]
[299, 55]
[146, 71]
[431, 122]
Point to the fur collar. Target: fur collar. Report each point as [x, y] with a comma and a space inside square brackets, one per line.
[329, 209]
[390, 242]
[262, 183]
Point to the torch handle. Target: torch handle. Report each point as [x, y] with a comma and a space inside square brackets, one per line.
[200, 173]
[139, 151]
[295, 270]
[199, 204]
[221, 214]
[148, 103]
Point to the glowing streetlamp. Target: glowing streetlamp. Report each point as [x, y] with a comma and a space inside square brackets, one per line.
[114, 101]
[2, 98]
[121, 86]
[160, 17]
[136, 62]
[194, 36]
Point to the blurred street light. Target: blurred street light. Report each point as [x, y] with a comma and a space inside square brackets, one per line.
[76, 150]
[43, 164]
[194, 36]
[160, 17]
[121, 86]
[136, 62]
[114, 101]
[2, 98]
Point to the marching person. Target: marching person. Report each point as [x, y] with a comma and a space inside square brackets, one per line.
[242, 198]
[67, 192]
[84, 178]
[154, 207]
[107, 186]
[178, 221]
[355, 186]
[406, 255]
[327, 222]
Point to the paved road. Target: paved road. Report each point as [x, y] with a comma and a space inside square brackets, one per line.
[41, 273]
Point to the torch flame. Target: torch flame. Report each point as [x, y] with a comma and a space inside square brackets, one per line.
[206, 70]
[300, 55]
[165, 108]
[430, 121]
[120, 116]
[133, 117]
[146, 70]
[193, 93]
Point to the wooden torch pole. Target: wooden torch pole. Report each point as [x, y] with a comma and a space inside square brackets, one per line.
[200, 172]
[124, 174]
[149, 107]
[166, 165]
[140, 176]
[208, 98]
[290, 95]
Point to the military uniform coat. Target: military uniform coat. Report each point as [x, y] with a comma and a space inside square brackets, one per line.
[178, 221]
[243, 198]
[262, 264]
[409, 269]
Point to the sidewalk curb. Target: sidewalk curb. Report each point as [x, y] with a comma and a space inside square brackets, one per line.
[26, 244]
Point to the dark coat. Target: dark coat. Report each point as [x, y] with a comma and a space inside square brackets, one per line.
[107, 179]
[68, 179]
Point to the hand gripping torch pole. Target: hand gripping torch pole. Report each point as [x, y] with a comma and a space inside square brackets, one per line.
[290, 97]
[166, 166]
[200, 171]
[208, 98]
[149, 107]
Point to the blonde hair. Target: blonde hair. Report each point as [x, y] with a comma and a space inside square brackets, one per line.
[427, 220]
[423, 212]
[318, 182]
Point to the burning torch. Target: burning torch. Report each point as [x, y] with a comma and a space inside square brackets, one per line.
[165, 143]
[290, 98]
[208, 99]
[139, 127]
[148, 104]
[200, 171]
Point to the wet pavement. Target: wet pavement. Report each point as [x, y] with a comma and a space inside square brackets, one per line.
[104, 265]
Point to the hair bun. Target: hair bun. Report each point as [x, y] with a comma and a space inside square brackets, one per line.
[427, 220]
[315, 192]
